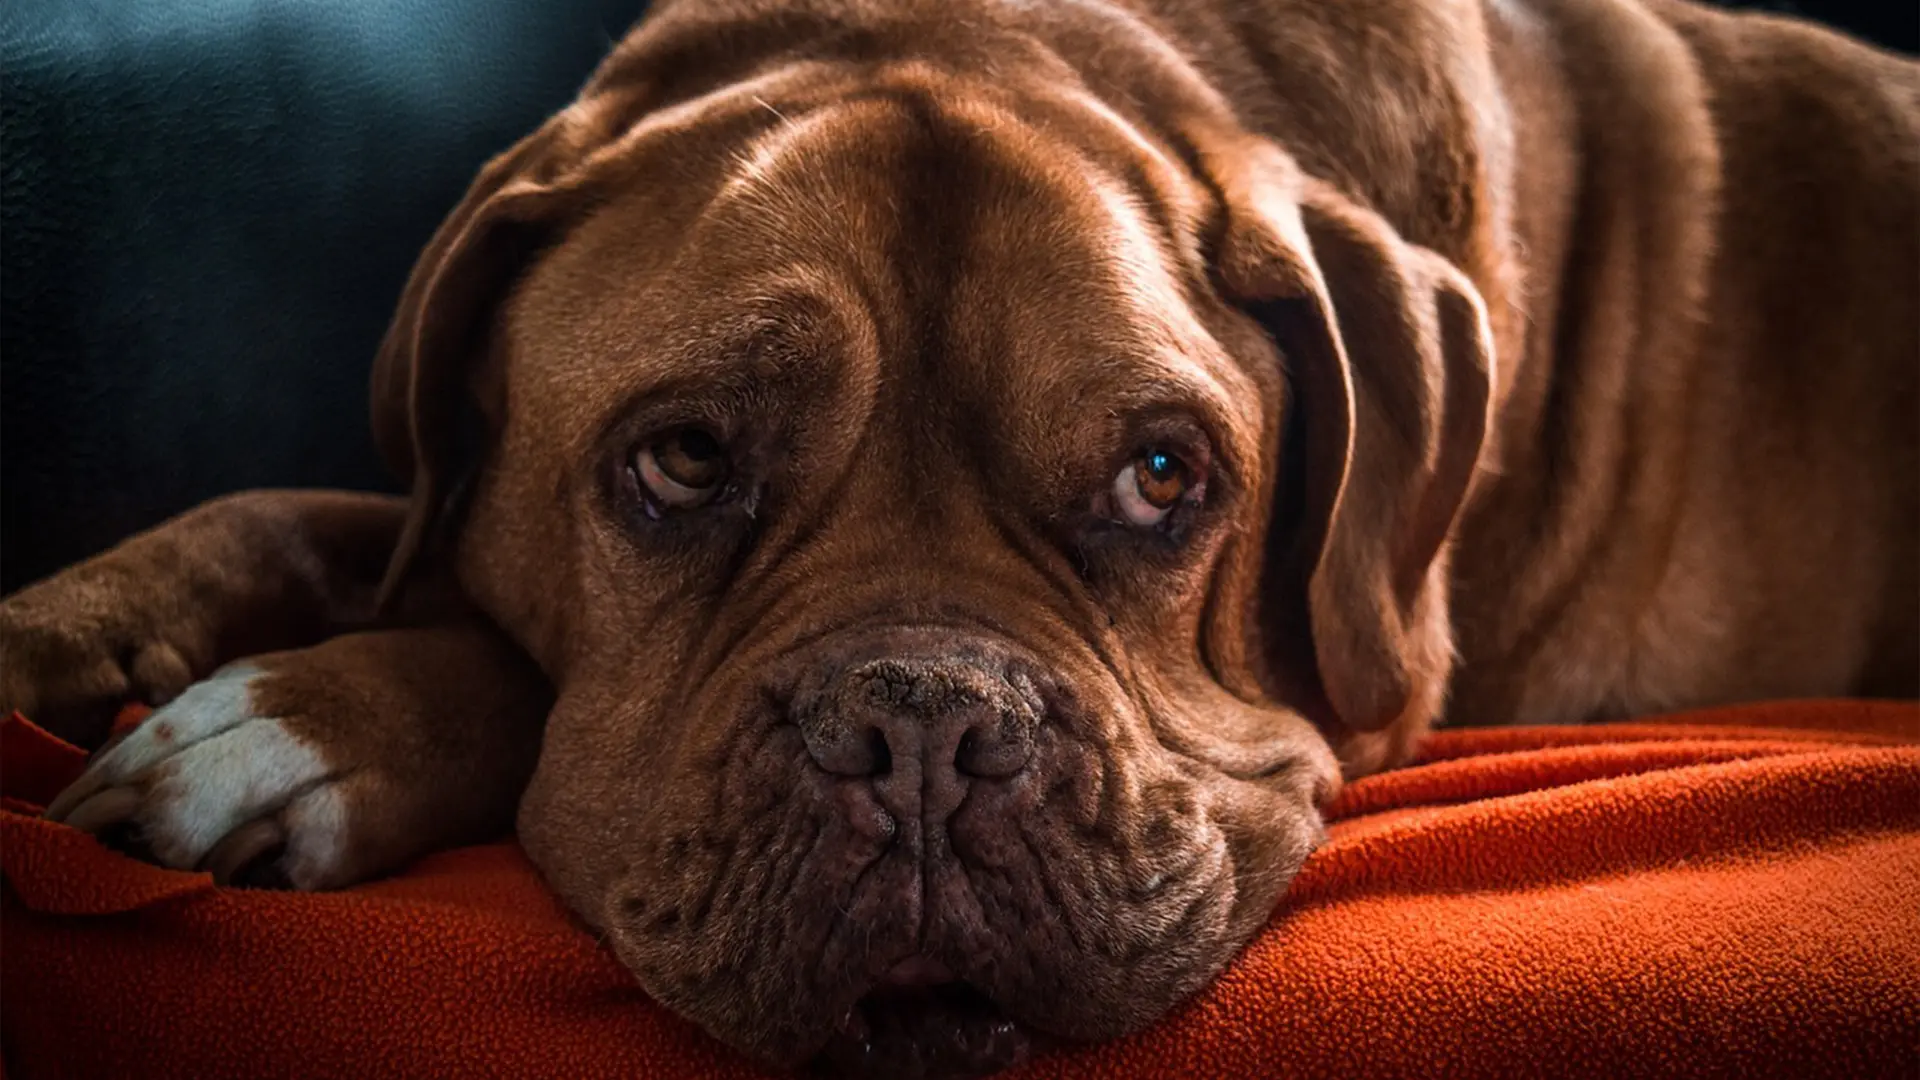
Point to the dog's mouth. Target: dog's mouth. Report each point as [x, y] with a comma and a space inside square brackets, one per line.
[920, 1023]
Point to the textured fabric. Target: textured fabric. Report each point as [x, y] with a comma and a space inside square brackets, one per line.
[1727, 893]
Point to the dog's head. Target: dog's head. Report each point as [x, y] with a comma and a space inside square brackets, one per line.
[945, 514]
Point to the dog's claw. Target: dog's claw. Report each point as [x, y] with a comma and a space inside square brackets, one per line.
[241, 849]
[93, 811]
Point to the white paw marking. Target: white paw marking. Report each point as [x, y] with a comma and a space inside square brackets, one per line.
[202, 711]
[207, 763]
[316, 825]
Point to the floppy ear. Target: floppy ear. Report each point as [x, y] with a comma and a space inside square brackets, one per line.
[427, 421]
[1389, 360]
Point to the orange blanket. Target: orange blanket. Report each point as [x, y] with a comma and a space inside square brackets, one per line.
[1730, 893]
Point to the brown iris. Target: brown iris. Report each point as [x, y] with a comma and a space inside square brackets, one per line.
[1149, 487]
[683, 469]
[1161, 476]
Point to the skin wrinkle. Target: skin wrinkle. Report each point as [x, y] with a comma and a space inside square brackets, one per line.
[778, 879]
[782, 878]
[1048, 889]
[843, 913]
[796, 538]
[1047, 559]
[724, 874]
[1107, 809]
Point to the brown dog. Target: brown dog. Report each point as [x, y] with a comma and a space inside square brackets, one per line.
[965, 475]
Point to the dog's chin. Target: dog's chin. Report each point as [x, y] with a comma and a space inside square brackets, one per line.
[921, 1023]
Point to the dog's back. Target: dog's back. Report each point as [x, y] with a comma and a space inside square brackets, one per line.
[1698, 235]
[1715, 415]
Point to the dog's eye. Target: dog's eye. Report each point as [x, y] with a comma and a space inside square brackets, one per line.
[1151, 485]
[683, 469]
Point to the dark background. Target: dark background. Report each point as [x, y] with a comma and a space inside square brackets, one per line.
[1894, 24]
[207, 208]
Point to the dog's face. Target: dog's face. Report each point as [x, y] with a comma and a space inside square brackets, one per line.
[886, 488]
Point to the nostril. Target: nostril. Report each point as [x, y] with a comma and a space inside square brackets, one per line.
[995, 747]
[952, 718]
[848, 746]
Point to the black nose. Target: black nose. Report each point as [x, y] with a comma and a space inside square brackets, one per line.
[952, 718]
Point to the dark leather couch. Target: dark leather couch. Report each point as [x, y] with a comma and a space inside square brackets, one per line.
[207, 208]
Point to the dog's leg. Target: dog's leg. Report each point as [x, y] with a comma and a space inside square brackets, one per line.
[247, 573]
[325, 766]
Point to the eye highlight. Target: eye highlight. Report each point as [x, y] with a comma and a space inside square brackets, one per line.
[1151, 485]
[681, 470]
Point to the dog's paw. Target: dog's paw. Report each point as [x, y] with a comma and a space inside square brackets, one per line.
[325, 766]
[209, 782]
[144, 619]
[79, 645]
[245, 573]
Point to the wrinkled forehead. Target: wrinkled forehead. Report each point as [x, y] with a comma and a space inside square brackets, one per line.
[903, 234]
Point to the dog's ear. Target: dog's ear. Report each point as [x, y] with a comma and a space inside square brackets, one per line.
[427, 420]
[1389, 366]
